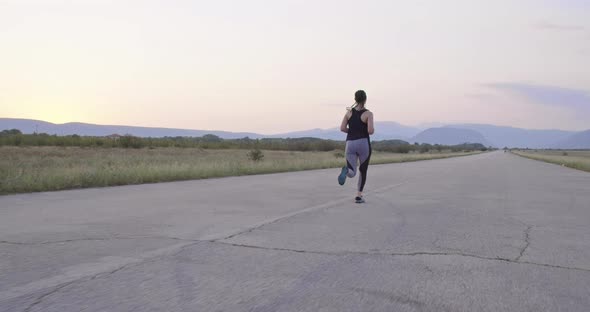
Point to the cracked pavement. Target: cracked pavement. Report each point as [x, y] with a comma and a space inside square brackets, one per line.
[491, 232]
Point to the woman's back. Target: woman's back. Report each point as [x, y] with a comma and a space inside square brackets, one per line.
[357, 128]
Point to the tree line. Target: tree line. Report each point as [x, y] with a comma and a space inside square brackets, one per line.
[14, 137]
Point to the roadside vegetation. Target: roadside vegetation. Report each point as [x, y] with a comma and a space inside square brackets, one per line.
[574, 159]
[16, 138]
[36, 163]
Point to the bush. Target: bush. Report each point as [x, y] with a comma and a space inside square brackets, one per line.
[255, 155]
[424, 148]
[564, 154]
[339, 154]
[404, 149]
[128, 141]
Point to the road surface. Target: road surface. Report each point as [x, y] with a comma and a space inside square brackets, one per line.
[491, 232]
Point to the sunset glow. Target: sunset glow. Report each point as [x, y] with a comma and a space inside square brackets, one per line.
[276, 66]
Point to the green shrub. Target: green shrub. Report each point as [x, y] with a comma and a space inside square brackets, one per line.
[255, 155]
[129, 141]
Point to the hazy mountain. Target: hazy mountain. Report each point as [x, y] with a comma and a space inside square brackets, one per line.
[30, 126]
[449, 136]
[496, 136]
[384, 130]
[580, 140]
[427, 125]
[329, 134]
[499, 136]
[387, 130]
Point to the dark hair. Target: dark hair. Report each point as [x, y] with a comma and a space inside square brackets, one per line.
[360, 97]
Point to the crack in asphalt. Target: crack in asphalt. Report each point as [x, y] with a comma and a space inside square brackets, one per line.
[402, 254]
[13, 243]
[281, 218]
[47, 294]
[130, 265]
[527, 240]
[96, 239]
[60, 287]
[147, 257]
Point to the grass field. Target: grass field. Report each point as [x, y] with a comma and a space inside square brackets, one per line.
[573, 159]
[36, 169]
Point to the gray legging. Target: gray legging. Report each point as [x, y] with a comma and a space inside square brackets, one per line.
[358, 150]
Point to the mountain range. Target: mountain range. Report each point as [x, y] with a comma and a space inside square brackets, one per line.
[70, 128]
[489, 135]
[450, 136]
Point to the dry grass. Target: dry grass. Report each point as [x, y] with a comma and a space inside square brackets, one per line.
[574, 159]
[36, 169]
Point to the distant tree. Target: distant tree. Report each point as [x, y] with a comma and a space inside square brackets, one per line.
[211, 138]
[10, 132]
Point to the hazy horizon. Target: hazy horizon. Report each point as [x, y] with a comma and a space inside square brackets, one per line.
[282, 66]
[422, 126]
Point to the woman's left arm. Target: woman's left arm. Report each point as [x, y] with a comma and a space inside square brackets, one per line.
[370, 126]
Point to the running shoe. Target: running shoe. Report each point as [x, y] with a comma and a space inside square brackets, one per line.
[342, 176]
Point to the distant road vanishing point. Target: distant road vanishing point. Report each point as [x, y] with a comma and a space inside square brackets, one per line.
[490, 232]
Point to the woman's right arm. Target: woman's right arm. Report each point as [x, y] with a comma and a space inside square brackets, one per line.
[344, 123]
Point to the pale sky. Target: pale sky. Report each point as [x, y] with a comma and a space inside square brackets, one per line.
[276, 66]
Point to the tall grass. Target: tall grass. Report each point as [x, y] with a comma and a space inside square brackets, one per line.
[36, 169]
[574, 159]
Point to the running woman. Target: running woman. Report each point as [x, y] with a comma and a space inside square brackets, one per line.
[358, 124]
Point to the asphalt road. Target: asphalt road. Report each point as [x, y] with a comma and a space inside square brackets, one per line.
[491, 232]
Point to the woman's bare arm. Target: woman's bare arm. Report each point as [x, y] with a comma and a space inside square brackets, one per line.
[370, 123]
[344, 123]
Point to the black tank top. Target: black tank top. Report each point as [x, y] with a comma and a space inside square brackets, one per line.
[357, 129]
